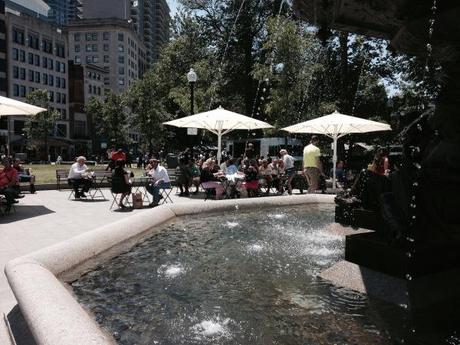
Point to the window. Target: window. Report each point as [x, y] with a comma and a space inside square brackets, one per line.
[44, 62]
[58, 82]
[95, 58]
[91, 36]
[18, 36]
[22, 73]
[50, 80]
[60, 50]
[76, 37]
[58, 96]
[18, 127]
[15, 90]
[37, 77]
[90, 89]
[37, 60]
[63, 114]
[121, 47]
[106, 47]
[63, 99]
[30, 58]
[33, 41]
[121, 37]
[61, 129]
[88, 58]
[31, 89]
[50, 64]
[80, 128]
[77, 48]
[121, 81]
[15, 54]
[121, 70]
[99, 91]
[45, 79]
[106, 58]
[47, 46]
[77, 59]
[121, 59]
[16, 72]
[31, 75]
[91, 47]
[22, 91]
[51, 96]
[105, 36]
[22, 56]
[63, 83]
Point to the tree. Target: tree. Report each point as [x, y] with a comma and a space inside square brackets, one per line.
[40, 127]
[110, 119]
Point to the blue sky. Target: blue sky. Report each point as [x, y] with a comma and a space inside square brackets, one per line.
[172, 5]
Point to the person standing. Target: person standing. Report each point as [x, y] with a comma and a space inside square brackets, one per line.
[160, 180]
[313, 169]
[289, 168]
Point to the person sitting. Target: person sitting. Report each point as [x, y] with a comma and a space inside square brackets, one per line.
[340, 173]
[251, 183]
[79, 178]
[159, 180]
[8, 181]
[195, 171]
[120, 182]
[265, 175]
[231, 167]
[184, 176]
[24, 175]
[209, 180]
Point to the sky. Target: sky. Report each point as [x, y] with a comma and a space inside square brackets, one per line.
[173, 6]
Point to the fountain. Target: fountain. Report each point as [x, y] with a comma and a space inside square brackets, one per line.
[420, 256]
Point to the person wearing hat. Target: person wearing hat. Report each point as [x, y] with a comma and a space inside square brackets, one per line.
[313, 169]
[159, 180]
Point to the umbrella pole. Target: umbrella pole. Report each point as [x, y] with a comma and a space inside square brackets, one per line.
[334, 162]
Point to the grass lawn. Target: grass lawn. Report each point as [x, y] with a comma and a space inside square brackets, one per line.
[46, 173]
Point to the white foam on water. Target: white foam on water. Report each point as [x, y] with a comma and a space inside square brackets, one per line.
[277, 216]
[255, 248]
[215, 328]
[171, 271]
[232, 224]
[321, 251]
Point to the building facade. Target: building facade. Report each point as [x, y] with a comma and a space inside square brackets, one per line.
[37, 59]
[111, 44]
[63, 11]
[85, 82]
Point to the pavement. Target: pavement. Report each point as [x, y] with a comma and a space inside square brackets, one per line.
[46, 218]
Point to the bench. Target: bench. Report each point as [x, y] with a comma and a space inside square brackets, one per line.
[61, 175]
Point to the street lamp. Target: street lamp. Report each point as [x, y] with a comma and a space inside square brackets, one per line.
[191, 77]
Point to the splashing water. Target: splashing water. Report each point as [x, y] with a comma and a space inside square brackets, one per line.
[171, 271]
[215, 328]
[231, 224]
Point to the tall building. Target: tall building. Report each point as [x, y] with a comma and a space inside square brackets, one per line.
[150, 18]
[63, 11]
[155, 22]
[37, 59]
[85, 81]
[33, 8]
[3, 71]
[111, 44]
[106, 9]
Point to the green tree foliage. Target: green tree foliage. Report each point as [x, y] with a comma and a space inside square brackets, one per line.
[40, 127]
[110, 118]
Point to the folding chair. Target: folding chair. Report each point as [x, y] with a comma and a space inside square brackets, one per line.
[165, 195]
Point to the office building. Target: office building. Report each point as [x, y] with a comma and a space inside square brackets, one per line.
[111, 44]
[85, 82]
[63, 11]
[37, 59]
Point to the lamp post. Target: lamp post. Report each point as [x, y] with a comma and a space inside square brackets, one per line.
[191, 77]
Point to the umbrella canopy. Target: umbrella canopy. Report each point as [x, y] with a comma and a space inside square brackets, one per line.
[337, 125]
[220, 122]
[10, 106]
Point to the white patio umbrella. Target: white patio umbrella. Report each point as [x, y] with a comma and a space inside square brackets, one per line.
[10, 107]
[220, 122]
[335, 126]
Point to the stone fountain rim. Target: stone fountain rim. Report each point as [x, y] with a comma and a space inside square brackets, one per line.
[38, 279]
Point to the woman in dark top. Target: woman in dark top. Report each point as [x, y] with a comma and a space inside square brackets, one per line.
[252, 178]
[120, 182]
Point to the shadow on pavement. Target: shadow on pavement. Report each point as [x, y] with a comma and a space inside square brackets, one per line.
[24, 212]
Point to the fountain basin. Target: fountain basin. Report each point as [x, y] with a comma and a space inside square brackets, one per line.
[38, 279]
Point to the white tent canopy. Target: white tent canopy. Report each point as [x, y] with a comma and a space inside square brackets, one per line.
[335, 126]
[11, 107]
[220, 122]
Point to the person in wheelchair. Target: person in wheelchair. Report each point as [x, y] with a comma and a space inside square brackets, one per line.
[120, 181]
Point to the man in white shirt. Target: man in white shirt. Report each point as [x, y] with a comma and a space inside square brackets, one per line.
[160, 180]
[289, 168]
[78, 177]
